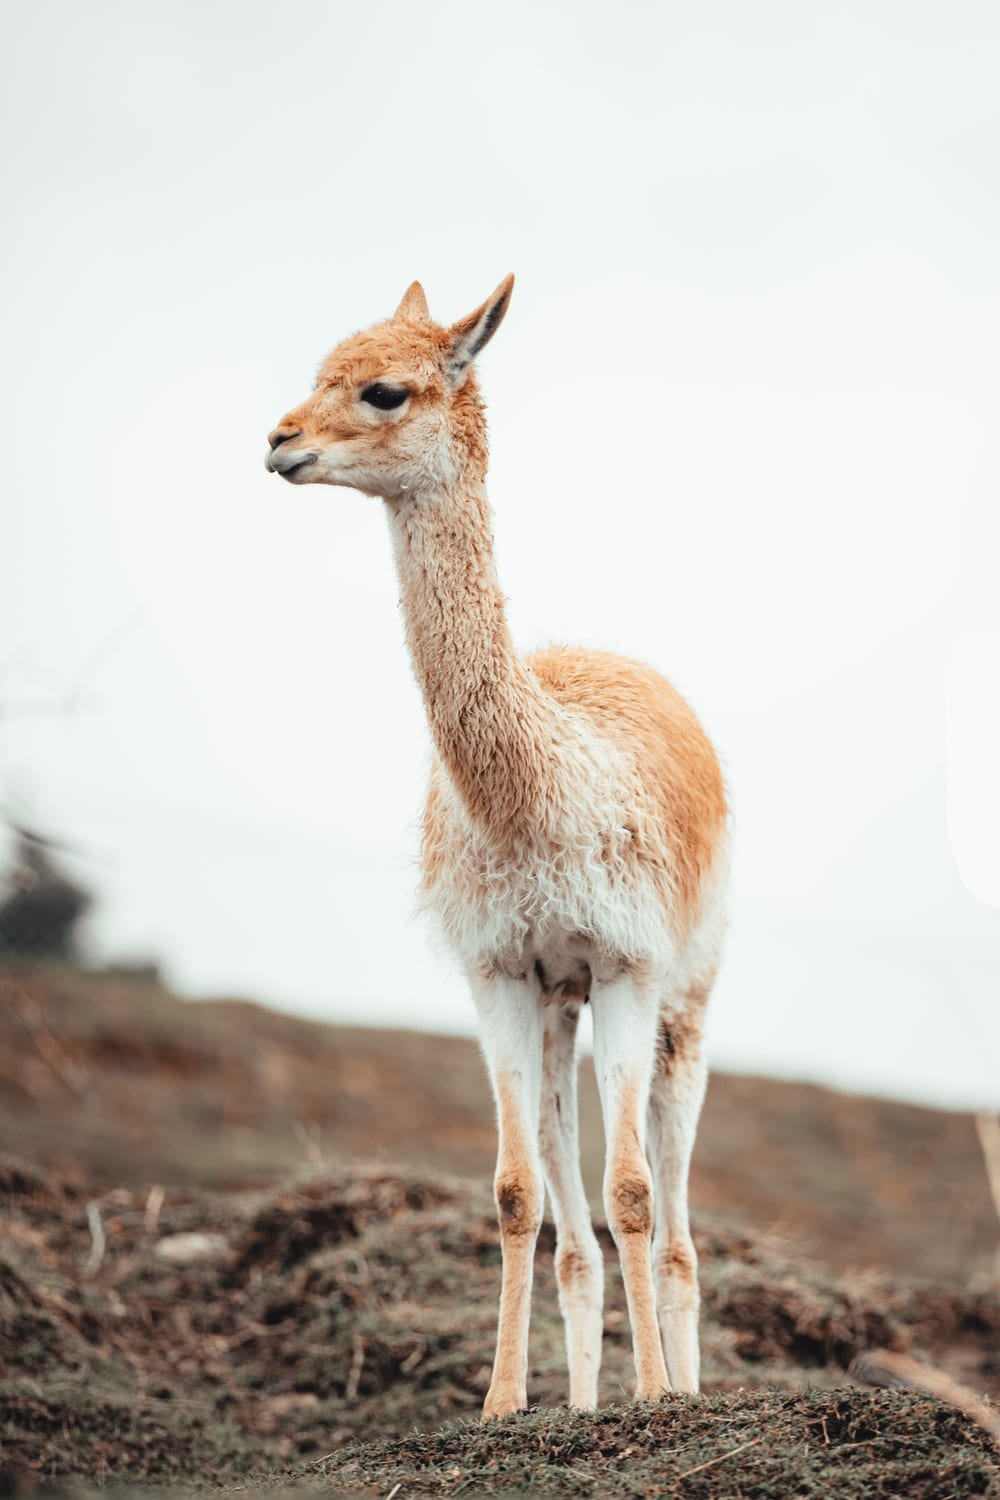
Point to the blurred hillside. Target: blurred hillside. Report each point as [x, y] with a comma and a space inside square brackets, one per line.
[113, 1078]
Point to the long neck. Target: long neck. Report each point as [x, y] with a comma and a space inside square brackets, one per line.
[492, 724]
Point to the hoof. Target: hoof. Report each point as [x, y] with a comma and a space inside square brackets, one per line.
[652, 1392]
[503, 1403]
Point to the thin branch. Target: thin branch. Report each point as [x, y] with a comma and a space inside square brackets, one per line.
[97, 1241]
[27, 1009]
[43, 708]
[154, 1202]
[97, 657]
[710, 1463]
[988, 1130]
[357, 1365]
[882, 1367]
[314, 1463]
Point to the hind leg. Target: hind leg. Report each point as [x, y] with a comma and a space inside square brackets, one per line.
[625, 1021]
[675, 1101]
[579, 1263]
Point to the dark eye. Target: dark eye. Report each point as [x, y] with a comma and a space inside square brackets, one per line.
[385, 397]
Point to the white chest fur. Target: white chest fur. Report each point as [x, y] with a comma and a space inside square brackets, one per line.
[574, 895]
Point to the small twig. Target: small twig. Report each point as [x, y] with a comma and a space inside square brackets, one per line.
[97, 1241]
[357, 1365]
[309, 1138]
[154, 1203]
[582, 1473]
[882, 1367]
[413, 1358]
[710, 1463]
[27, 1009]
[988, 1130]
[394, 1491]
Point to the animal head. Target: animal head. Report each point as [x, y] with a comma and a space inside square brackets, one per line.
[392, 406]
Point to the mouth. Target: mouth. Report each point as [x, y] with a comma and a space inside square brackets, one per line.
[291, 466]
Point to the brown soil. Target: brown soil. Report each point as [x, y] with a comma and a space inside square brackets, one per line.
[326, 1323]
[360, 1305]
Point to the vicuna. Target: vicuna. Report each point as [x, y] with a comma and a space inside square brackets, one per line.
[574, 849]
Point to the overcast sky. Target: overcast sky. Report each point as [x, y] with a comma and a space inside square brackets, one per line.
[743, 415]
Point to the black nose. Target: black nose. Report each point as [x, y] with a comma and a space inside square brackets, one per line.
[283, 435]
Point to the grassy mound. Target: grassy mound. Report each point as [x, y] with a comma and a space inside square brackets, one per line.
[216, 1337]
[760, 1444]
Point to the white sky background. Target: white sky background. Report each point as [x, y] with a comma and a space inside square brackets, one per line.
[743, 426]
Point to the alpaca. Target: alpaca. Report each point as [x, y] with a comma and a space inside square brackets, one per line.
[574, 850]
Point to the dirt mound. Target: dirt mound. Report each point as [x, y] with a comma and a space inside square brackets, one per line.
[99, 1438]
[780, 1315]
[149, 1337]
[757, 1444]
[297, 1223]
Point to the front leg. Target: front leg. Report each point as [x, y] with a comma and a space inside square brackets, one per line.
[510, 1022]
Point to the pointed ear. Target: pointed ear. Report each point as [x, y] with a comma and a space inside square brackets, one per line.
[414, 304]
[470, 335]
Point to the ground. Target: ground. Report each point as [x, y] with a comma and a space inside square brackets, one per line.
[179, 1303]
